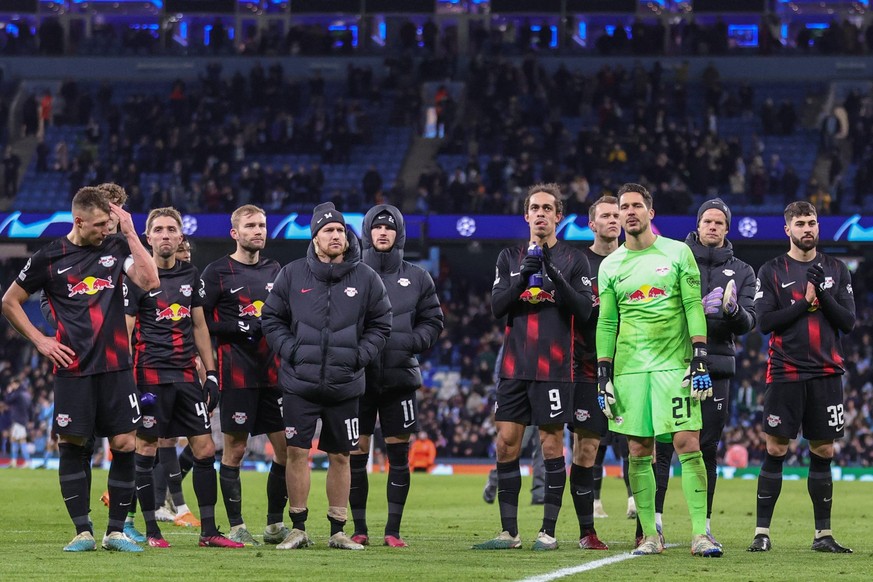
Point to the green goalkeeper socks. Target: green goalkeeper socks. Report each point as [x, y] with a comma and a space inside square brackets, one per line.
[642, 482]
[694, 487]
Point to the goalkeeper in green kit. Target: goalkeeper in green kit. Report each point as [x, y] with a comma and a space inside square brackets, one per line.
[651, 369]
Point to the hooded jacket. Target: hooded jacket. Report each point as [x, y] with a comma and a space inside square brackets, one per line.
[717, 267]
[417, 316]
[327, 322]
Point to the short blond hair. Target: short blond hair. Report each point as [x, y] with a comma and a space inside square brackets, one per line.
[244, 210]
[159, 212]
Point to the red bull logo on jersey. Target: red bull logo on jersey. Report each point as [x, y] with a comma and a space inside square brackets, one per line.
[646, 293]
[89, 286]
[253, 309]
[536, 295]
[174, 312]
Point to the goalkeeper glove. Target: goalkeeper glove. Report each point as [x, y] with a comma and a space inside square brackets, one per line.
[730, 305]
[605, 389]
[712, 301]
[697, 375]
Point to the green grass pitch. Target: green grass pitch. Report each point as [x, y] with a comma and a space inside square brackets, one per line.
[444, 516]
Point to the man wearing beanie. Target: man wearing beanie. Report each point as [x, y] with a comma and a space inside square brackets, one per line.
[394, 376]
[327, 317]
[728, 288]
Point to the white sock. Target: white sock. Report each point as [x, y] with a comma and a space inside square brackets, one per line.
[128, 519]
[708, 529]
[236, 527]
[182, 509]
[275, 527]
[820, 533]
[658, 520]
[762, 530]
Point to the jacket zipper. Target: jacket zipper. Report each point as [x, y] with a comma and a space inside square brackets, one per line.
[324, 331]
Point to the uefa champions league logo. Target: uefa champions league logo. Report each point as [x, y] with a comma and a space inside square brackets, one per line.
[189, 225]
[466, 226]
[748, 227]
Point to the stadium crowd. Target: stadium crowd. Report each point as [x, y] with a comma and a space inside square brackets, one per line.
[649, 36]
[636, 124]
[456, 400]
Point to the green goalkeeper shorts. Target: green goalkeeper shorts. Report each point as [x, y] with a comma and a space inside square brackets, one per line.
[653, 404]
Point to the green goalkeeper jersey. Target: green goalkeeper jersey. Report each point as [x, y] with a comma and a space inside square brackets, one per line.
[655, 294]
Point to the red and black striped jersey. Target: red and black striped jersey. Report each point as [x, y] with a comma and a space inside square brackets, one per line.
[807, 346]
[538, 344]
[164, 347]
[235, 294]
[84, 289]
[584, 348]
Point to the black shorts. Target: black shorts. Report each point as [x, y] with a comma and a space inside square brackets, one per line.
[618, 442]
[339, 424]
[397, 411]
[106, 404]
[815, 405]
[586, 411]
[535, 403]
[251, 410]
[178, 410]
[715, 412]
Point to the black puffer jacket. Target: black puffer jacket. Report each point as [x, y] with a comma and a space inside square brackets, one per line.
[717, 267]
[417, 316]
[327, 322]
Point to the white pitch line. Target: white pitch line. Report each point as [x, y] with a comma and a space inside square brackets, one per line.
[584, 567]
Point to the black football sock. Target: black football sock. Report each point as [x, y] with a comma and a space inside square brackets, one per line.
[769, 488]
[277, 493]
[121, 485]
[206, 490]
[820, 485]
[172, 474]
[358, 492]
[87, 458]
[145, 483]
[582, 488]
[298, 520]
[398, 485]
[186, 461]
[508, 487]
[74, 485]
[336, 525]
[710, 452]
[231, 491]
[663, 460]
[160, 489]
[556, 480]
[597, 474]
